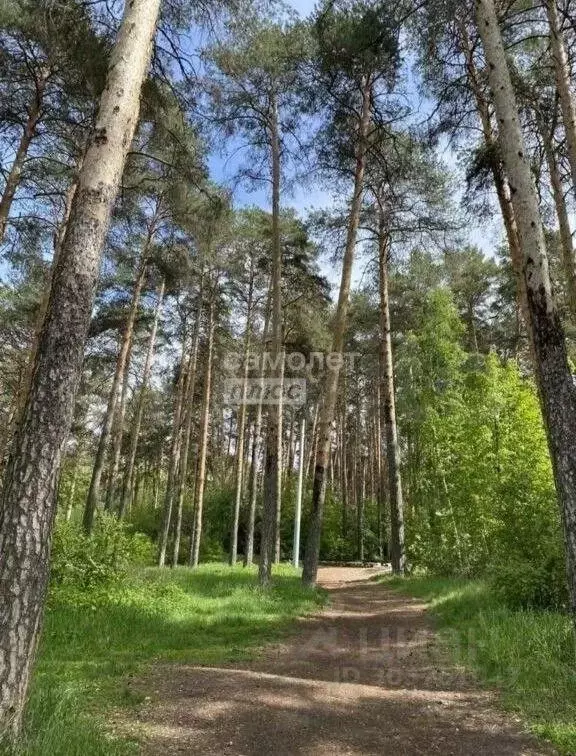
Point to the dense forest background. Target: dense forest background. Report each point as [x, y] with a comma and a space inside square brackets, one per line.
[273, 152]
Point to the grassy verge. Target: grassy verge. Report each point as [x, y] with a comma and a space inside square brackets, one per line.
[92, 642]
[529, 656]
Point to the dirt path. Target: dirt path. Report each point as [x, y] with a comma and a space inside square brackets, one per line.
[365, 677]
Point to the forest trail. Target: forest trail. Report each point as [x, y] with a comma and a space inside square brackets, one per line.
[364, 677]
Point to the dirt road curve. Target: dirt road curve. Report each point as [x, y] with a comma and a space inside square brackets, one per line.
[364, 678]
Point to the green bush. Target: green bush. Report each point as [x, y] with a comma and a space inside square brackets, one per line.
[103, 557]
[521, 584]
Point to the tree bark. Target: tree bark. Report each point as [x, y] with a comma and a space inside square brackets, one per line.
[128, 481]
[204, 426]
[388, 407]
[28, 134]
[28, 501]
[563, 84]
[273, 464]
[326, 419]
[556, 385]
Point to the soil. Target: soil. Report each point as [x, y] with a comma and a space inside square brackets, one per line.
[365, 677]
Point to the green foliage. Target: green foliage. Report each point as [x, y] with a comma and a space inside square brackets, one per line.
[357, 38]
[528, 655]
[104, 557]
[477, 471]
[525, 585]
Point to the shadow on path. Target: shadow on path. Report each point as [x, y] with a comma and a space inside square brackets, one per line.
[365, 677]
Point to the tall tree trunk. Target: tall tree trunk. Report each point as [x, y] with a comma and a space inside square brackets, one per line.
[380, 469]
[278, 526]
[339, 326]
[298, 511]
[187, 429]
[557, 390]
[253, 487]
[242, 424]
[563, 84]
[313, 442]
[344, 475]
[117, 429]
[566, 241]
[361, 506]
[28, 501]
[128, 481]
[257, 444]
[119, 417]
[173, 455]
[28, 134]
[289, 456]
[388, 406]
[93, 498]
[273, 463]
[204, 427]
[500, 182]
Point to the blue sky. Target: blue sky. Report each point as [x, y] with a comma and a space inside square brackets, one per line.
[486, 234]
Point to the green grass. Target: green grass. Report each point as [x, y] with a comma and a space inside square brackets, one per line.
[93, 642]
[530, 657]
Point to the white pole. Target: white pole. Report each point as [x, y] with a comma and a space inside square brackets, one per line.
[298, 514]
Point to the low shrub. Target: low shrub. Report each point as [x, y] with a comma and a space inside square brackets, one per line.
[521, 584]
[86, 562]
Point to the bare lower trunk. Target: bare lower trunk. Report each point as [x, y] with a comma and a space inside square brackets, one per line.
[327, 412]
[253, 489]
[114, 490]
[563, 84]
[344, 472]
[397, 550]
[278, 526]
[117, 430]
[204, 427]
[361, 506]
[380, 470]
[311, 459]
[128, 481]
[242, 426]
[298, 511]
[557, 391]
[273, 464]
[28, 502]
[173, 457]
[93, 498]
[28, 134]
[188, 418]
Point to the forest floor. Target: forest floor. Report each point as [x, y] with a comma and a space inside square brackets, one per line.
[366, 676]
